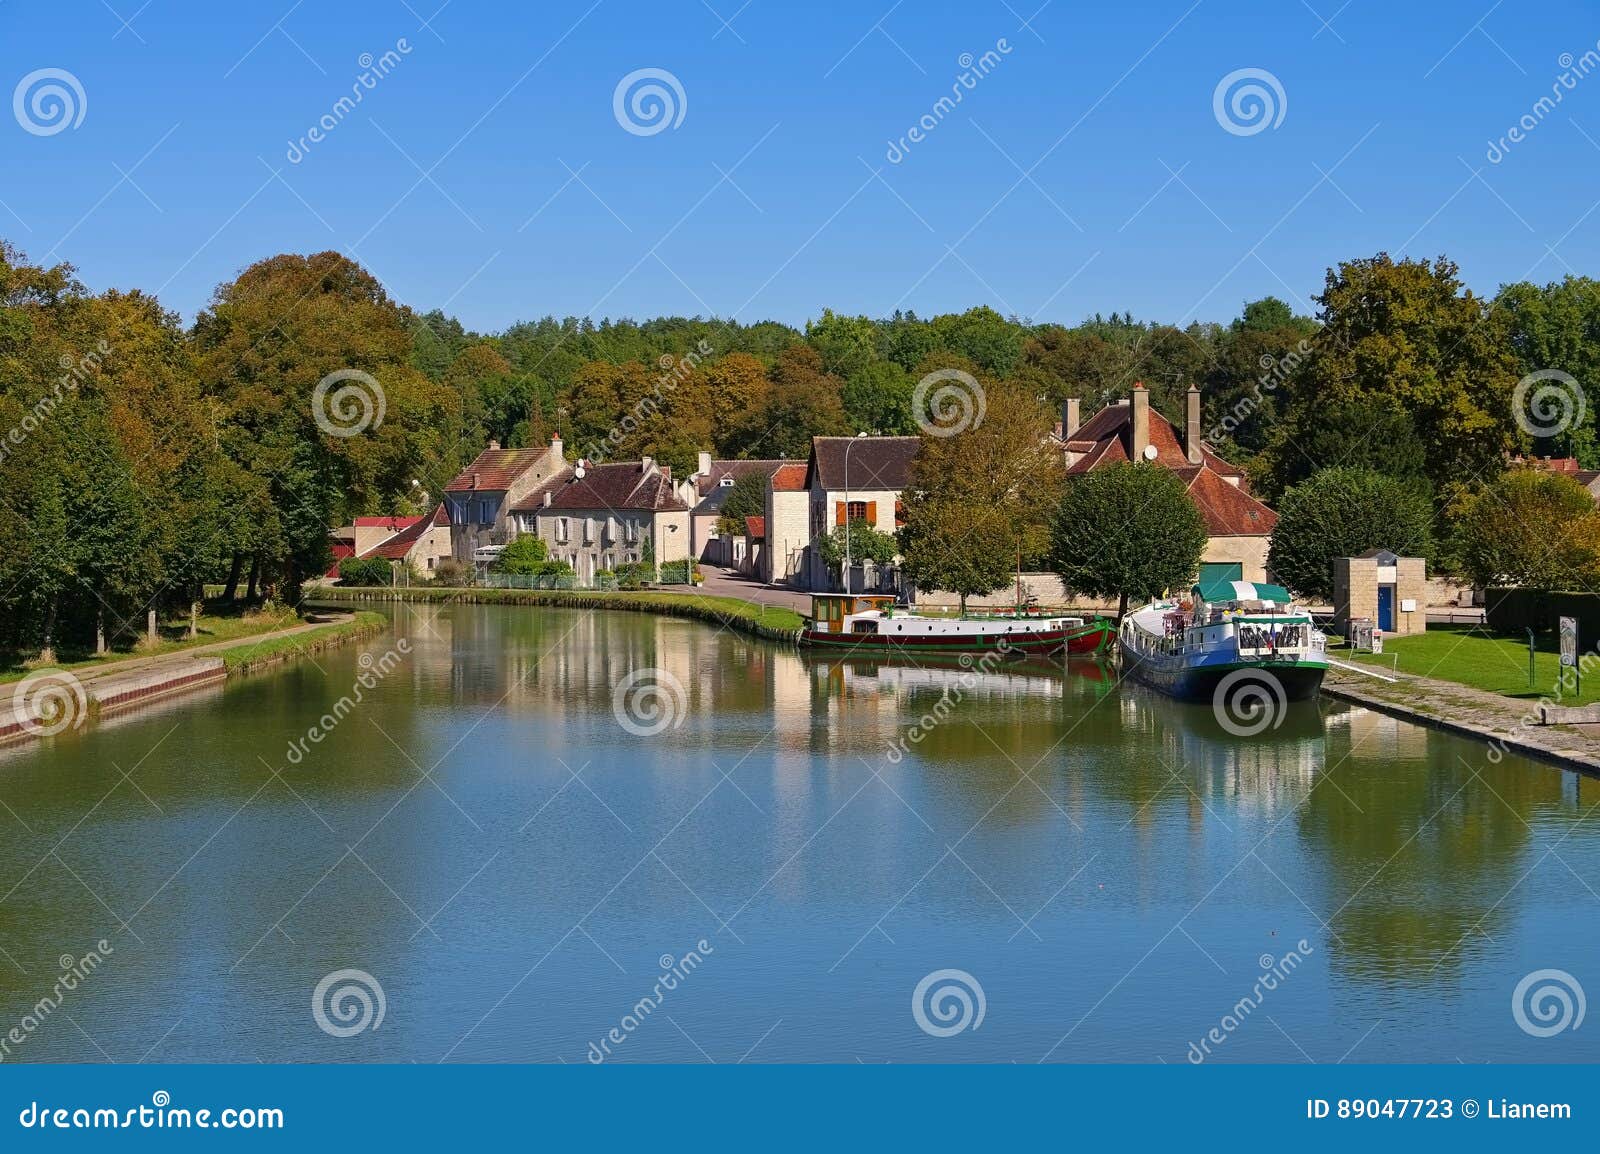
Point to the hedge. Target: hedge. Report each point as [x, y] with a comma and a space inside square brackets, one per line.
[1517, 610]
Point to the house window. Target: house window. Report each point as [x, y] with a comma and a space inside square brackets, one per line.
[562, 530]
[725, 483]
[857, 511]
[588, 530]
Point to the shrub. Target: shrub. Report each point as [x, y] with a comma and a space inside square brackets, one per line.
[452, 573]
[675, 572]
[371, 571]
[527, 554]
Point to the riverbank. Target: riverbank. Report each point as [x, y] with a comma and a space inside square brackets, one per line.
[1506, 724]
[49, 701]
[771, 622]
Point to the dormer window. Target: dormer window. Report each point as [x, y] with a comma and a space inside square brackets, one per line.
[725, 483]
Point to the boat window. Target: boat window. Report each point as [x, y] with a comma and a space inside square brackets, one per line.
[864, 627]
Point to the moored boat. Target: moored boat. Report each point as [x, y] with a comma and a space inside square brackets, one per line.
[1228, 638]
[870, 623]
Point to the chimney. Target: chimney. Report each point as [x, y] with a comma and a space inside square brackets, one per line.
[1191, 426]
[474, 480]
[1139, 422]
[494, 444]
[703, 467]
[548, 496]
[1069, 418]
[645, 464]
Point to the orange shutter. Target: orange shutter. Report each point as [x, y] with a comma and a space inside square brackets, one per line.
[872, 514]
[838, 512]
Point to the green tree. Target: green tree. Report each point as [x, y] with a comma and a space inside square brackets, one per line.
[1127, 530]
[1344, 513]
[1407, 334]
[865, 544]
[747, 497]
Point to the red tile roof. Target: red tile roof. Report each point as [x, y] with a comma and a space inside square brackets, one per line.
[790, 477]
[755, 528]
[495, 470]
[1228, 508]
[396, 547]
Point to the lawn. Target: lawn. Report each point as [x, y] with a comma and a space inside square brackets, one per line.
[218, 623]
[1471, 656]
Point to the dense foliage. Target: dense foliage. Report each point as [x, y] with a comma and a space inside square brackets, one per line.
[140, 459]
[371, 571]
[1534, 529]
[1344, 513]
[1126, 531]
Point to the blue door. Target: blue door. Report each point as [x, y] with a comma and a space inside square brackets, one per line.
[1386, 608]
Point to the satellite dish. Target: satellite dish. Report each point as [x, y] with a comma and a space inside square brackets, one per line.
[578, 472]
[1149, 452]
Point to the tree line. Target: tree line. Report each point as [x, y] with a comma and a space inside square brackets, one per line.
[141, 459]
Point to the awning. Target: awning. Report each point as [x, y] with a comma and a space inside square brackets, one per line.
[1218, 591]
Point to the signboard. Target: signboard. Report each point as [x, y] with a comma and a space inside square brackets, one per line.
[1569, 641]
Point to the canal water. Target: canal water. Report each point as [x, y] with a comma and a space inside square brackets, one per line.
[552, 835]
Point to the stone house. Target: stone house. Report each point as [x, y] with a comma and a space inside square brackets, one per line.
[786, 525]
[850, 478]
[597, 517]
[1239, 526]
[421, 545]
[1389, 591]
[708, 489]
[479, 499]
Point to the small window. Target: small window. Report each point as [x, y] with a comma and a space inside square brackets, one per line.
[856, 511]
[864, 627]
[725, 483]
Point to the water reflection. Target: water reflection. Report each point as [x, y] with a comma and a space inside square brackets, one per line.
[1106, 859]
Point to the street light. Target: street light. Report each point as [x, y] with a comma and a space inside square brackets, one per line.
[847, 449]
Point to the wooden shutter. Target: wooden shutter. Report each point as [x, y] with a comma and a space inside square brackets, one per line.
[838, 512]
[872, 514]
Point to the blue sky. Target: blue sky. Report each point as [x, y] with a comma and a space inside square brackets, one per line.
[1086, 171]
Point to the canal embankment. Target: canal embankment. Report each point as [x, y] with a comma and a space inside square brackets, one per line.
[771, 622]
[1504, 724]
[49, 701]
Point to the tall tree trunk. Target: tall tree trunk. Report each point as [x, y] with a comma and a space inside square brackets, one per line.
[255, 575]
[194, 618]
[99, 632]
[1122, 606]
[47, 652]
[231, 591]
[963, 609]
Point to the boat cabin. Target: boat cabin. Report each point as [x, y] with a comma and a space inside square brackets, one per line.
[1258, 618]
[830, 612]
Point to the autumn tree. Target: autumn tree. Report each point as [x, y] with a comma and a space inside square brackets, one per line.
[1532, 528]
[981, 489]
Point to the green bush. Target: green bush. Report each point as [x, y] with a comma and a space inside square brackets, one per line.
[634, 574]
[371, 571]
[526, 554]
[675, 572]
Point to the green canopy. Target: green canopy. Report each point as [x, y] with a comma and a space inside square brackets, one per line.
[1219, 591]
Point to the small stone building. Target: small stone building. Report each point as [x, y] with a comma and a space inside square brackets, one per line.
[1390, 591]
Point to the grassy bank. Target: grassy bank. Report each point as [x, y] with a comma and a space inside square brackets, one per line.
[769, 621]
[273, 650]
[1470, 656]
[219, 622]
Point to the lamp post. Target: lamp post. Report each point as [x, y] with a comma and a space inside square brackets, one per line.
[847, 449]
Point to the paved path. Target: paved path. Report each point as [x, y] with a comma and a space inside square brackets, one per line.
[177, 656]
[731, 583]
[1508, 723]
